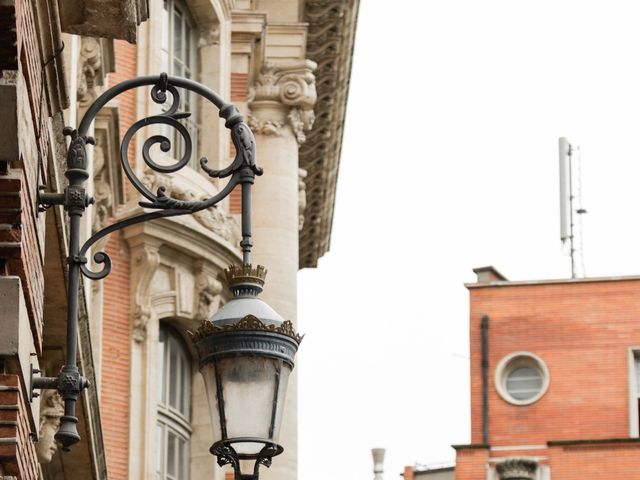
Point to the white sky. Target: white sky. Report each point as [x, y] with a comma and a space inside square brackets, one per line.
[450, 162]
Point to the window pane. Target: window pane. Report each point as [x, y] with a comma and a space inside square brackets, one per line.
[161, 366]
[171, 454]
[173, 368]
[160, 456]
[524, 383]
[638, 376]
[177, 34]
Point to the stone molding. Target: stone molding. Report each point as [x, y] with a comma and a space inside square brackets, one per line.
[283, 93]
[330, 40]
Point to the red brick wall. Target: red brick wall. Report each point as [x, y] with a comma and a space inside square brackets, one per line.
[471, 463]
[239, 93]
[116, 344]
[116, 360]
[19, 458]
[25, 262]
[582, 331]
[596, 462]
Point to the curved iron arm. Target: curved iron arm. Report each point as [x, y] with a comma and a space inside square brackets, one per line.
[242, 170]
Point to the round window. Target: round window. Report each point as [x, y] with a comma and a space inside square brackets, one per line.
[521, 378]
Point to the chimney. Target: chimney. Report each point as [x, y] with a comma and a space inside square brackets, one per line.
[378, 463]
[489, 274]
[408, 473]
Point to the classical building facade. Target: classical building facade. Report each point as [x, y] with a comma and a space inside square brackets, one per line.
[286, 65]
[555, 370]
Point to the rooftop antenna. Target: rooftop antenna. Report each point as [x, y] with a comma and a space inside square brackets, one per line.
[571, 204]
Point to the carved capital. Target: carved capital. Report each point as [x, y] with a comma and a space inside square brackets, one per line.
[292, 87]
[145, 260]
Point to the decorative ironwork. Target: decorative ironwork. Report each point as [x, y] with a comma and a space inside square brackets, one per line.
[241, 171]
[248, 323]
[227, 455]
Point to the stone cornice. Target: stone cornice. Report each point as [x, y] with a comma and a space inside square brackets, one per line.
[330, 41]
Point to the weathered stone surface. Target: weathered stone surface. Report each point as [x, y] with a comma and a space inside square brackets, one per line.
[103, 18]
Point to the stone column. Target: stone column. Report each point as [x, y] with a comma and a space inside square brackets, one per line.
[281, 110]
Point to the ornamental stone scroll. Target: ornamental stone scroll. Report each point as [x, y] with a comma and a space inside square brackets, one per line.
[283, 93]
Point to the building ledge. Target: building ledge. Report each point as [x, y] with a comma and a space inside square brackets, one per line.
[471, 446]
[557, 281]
[593, 441]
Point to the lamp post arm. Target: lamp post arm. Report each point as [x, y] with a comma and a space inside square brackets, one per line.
[75, 200]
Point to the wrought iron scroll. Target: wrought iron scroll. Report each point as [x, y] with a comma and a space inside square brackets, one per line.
[242, 170]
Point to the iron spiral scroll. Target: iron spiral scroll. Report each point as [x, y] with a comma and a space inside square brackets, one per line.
[242, 169]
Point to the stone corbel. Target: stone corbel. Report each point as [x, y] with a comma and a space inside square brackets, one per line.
[209, 35]
[283, 93]
[208, 291]
[145, 259]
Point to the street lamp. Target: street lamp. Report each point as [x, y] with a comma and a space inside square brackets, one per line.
[246, 349]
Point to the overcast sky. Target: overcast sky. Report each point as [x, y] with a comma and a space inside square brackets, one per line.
[450, 162]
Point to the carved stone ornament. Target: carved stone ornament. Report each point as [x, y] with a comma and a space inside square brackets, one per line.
[214, 219]
[144, 263]
[293, 85]
[102, 191]
[247, 323]
[209, 35]
[51, 410]
[89, 73]
[302, 197]
[208, 290]
[517, 469]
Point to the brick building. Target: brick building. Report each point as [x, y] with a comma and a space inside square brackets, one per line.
[555, 386]
[286, 65]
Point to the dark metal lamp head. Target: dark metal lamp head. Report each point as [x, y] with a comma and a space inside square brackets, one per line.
[246, 353]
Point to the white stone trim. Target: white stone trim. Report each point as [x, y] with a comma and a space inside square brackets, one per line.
[515, 359]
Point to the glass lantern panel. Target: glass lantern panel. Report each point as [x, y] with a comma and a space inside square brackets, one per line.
[210, 384]
[285, 370]
[248, 386]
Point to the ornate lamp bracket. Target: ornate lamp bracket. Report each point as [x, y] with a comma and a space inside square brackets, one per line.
[242, 171]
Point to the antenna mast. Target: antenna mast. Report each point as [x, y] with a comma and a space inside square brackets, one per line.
[568, 157]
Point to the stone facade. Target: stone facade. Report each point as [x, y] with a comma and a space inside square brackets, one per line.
[269, 58]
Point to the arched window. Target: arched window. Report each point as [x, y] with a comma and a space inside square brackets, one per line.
[174, 407]
[179, 44]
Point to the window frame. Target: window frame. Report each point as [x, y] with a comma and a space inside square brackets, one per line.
[512, 362]
[171, 419]
[189, 69]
